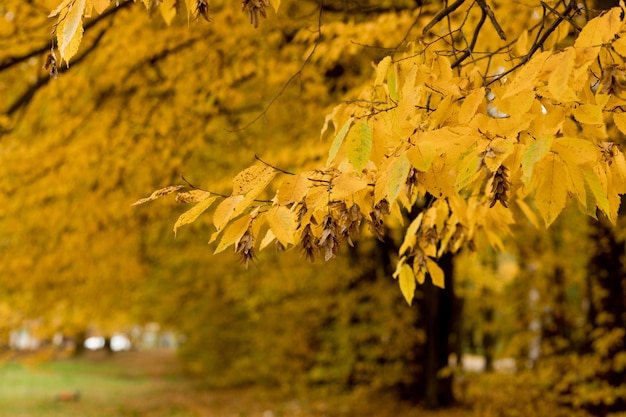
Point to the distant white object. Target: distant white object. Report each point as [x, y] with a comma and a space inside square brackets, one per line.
[94, 342]
[119, 342]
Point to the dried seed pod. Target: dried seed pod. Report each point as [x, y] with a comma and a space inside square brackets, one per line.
[202, 9]
[500, 187]
[255, 10]
[245, 248]
[51, 64]
[309, 243]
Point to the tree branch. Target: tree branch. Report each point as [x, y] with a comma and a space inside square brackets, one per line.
[14, 60]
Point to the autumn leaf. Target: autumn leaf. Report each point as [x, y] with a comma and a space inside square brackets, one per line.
[533, 153]
[436, 273]
[158, 194]
[407, 283]
[551, 191]
[337, 142]
[69, 30]
[225, 210]
[167, 8]
[100, 5]
[193, 213]
[359, 145]
[282, 222]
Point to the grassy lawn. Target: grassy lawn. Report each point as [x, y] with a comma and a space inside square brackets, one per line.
[150, 384]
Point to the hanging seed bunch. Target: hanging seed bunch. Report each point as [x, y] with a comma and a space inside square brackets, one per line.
[255, 9]
[500, 187]
[245, 248]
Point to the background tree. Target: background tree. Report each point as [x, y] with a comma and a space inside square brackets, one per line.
[458, 125]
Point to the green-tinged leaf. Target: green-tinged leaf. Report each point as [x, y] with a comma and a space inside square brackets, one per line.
[224, 212]
[533, 153]
[407, 282]
[192, 214]
[341, 134]
[551, 193]
[596, 180]
[469, 170]
[359, 145]
[70, 29]
[282, 222]
[158, 194]
[233, 233]
[436, 273]
[397, 177]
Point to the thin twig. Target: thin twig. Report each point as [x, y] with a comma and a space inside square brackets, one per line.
[442, 13]
[272, 166]
[485, 7]
[293, 77]
[467, 52]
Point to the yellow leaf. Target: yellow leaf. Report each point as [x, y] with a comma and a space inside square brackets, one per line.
[530, 215]
[588, 114]
[558, 83]
[620, 121]
[576, 151]
[551, 193]
[422, 155]
[192, 196]
[58, 9]
[224, 211]
[341, 134]
[158, 194]
[253, 179]
[282, 222]
[233, 233]
[600, 30]
[407, 282]
[168, 10]
[100, 5]
[345, 185]
[525, 78]
[381, 70]
[397, 177]
[293, 189]
[533, 153]
[269, 238]
[359, 145]
[521, 45]
[436, 273]
[470, 105]
[619, 45]
[597, 181]
[70, 30]
[275, 5]
[192, 214]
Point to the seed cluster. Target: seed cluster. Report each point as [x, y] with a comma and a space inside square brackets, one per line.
[255, 9]
[500, 187]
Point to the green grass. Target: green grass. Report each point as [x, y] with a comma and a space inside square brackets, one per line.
[106, 389]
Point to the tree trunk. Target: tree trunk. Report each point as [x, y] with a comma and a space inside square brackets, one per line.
[436, 308]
